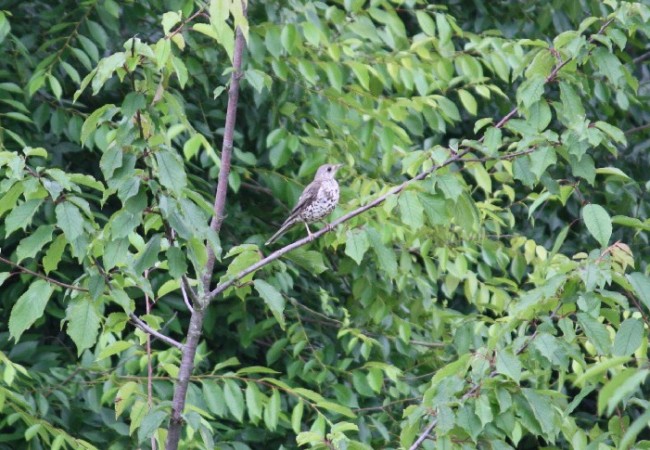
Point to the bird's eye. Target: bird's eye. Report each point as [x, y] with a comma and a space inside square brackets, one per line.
[329, 169]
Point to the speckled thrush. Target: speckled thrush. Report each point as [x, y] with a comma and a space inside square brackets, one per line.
[315, 203]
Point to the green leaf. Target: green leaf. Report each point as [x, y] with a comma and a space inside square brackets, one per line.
[70, 220]
[21, 216]
[468, 101]
[114, 348]
[309, 259]
[83, 323]
[385, 256]
[106, 112]
[273, 300]
[571, 103]
[641, 285]
[171, 171]
[234, 399]
[621, 386]
[598, 223]
[531, 91]
[296, 416]
[628, 337]
[29, 307]
[613, 132]
[449, 185]
[254, 402]
[595, 332]
[111, 159]
[115, 253]
[169, 19]
[273, 410]
[508, 364]
[151, 422]
[411, 209]
[54, 253]
[543, 410]
[426, 22]
[149, 256]
[33, 243]
[219, 10]
[214, 398]
[176, 261]
[541, 159]
[356, 244]
[492, 141]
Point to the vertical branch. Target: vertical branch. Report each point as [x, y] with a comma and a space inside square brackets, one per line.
[147, 305]
[198, 314]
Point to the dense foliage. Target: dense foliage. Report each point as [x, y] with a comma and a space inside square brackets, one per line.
[501, 300]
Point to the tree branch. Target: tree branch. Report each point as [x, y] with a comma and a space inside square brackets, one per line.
[158, 335]
[196, 319]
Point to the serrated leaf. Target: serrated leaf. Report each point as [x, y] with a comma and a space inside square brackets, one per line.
[29, 307]
[356, 244]
[33, 243]
[70, 220]
[508, 364]
[530, 91]
[171, 171]
[21, 216]
[385, 256]
[411, 209]
[54, 253]
[543, 410]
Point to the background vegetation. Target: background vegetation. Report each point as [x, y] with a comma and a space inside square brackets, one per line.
[486, 285]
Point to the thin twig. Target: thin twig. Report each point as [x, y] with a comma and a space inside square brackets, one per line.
[424, 435]
[147, 329]
[44, 277]
[639, 128]
[185, 22]
[184, 288]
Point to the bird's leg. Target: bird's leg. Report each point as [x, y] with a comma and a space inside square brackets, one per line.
[309, 233]
[328, 227]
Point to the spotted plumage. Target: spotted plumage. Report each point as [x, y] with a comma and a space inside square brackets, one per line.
[316, 202]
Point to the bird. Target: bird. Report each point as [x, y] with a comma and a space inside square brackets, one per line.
[316, 202]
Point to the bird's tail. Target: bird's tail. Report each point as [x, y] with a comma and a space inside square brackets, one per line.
[283, 229]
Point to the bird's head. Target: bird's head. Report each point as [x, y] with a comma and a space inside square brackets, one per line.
[327, 171]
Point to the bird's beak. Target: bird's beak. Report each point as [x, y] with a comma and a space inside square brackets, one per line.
[337, 166]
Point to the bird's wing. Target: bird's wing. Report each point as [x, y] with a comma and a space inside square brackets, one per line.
[308, 196]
